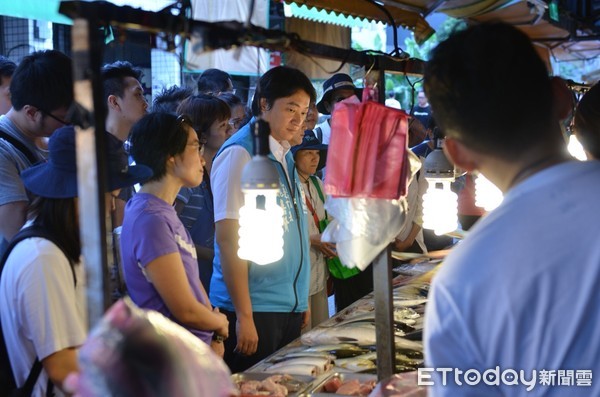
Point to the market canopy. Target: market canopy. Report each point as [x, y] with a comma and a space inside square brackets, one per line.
[561, 32]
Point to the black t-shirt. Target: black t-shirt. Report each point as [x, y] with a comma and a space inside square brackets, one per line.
[423, 114]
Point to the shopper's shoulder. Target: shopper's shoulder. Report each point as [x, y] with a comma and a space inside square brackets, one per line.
[35, 253]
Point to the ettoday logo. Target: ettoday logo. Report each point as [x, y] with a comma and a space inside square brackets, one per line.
[510, 377]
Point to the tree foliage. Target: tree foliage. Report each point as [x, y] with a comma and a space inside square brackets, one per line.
[406, 87]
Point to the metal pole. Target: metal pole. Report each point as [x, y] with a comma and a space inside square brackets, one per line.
[382, 287]
[384, 319]
[91, 163]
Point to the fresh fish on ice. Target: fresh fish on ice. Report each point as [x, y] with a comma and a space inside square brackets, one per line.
[362, 334]
[293, 369]
[322, 364]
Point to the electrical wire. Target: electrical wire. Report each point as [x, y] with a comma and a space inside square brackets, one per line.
[412, 91]
[250, 13]
[397, 51]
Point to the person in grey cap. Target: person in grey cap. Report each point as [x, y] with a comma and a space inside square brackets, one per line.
[335, 89]
[42, 290]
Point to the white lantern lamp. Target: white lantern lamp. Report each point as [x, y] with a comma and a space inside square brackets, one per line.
[575, 148]
[440, 204]
[487, 195]
[261, 218]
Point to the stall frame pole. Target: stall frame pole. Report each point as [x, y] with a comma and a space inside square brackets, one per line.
[88, 116]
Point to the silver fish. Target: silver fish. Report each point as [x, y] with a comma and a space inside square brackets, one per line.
[300, 354]
[399, 316]
[322, 364]
[362, 334]
[399, 302]
[294, 369]
[332, 347]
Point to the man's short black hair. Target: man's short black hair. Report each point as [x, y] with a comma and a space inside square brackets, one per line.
[169, 99]
[488, 88]
[113, 77]
[7, 67]
[214, 81]
[43, 79]
[281, 82]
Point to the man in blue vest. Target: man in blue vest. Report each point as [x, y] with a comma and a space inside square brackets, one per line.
[264, 304]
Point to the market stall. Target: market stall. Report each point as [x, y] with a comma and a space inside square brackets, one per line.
[339, 356]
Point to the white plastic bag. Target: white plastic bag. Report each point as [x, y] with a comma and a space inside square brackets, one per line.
[363, 227]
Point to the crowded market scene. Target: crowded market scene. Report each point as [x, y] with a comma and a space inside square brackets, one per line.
[299, 198]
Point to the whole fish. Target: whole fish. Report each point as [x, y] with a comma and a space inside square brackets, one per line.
[302, 353]
[293, 369]
[359, 363]
[370, 316]
[321, 364]
[401, 302]
[362, 334]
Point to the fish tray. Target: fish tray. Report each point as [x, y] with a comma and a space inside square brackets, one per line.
[304, 382]
[317, 389]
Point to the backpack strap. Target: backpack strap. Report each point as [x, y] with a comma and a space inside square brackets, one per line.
[36, 368]
[33, 159]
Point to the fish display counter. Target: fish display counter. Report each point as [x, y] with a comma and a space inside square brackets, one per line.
[339, 355]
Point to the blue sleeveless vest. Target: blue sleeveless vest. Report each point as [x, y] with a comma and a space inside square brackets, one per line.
[281, 286]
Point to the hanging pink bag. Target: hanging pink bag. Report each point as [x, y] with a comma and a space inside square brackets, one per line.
[367, 151]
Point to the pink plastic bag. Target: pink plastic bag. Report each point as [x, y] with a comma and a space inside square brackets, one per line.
[367, 151]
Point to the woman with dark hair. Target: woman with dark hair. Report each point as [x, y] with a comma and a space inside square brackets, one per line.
[42, 291]
[210, 118]
[159, 257]
[240, 114]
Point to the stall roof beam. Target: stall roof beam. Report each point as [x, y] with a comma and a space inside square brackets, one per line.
[228, 34]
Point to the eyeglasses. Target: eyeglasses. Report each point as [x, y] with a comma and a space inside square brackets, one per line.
[236, 123]
[199, 147]
[63, 122]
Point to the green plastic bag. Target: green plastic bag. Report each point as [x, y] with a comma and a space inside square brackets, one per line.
[336, 268]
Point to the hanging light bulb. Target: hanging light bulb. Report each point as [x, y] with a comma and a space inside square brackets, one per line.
[440, 204]
[575, 148]
[487, 195]
[440, 207]
[261, 218]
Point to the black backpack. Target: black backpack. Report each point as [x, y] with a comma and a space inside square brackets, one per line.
[7, 379]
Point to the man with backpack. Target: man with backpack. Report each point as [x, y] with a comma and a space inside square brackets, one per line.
[41, 92]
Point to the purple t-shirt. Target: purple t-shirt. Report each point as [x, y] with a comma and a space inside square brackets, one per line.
[151, 229]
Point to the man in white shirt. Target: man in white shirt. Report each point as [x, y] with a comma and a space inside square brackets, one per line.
[392, 102]
[513, 309]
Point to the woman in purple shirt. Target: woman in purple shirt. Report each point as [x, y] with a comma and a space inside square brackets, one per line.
[159, 257]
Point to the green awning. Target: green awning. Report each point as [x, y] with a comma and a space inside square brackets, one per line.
[323, 16]
[44, 10]
[47, 10]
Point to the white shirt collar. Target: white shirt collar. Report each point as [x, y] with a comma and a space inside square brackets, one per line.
[279, 150]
